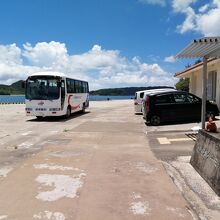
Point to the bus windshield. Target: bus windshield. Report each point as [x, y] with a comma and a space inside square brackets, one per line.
[42, 88]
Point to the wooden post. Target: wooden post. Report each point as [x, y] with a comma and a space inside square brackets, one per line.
[204, 91]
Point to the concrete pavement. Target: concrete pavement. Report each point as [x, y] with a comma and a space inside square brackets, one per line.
[97, 166]
[173, 145]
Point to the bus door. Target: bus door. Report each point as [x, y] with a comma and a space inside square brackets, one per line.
[62, 93]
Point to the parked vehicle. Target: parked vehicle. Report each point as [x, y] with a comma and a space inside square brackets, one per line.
[175, 106]
[139, 96]
[155, 91]
[54, 94]
[138, 101]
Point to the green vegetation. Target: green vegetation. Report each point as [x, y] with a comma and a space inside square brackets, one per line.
[183, 84]
[16, 89]
[128, 91]
[13, 89]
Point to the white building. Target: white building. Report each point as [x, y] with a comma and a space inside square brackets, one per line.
[194, 73]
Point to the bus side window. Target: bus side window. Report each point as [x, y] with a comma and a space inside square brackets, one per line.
[72, 86]
[84, 87]
[68, 85]
[76, 86]
[80, 87]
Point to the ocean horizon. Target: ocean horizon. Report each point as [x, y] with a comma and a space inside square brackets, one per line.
[13, 99]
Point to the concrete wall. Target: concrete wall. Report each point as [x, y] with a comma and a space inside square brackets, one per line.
[206, 158]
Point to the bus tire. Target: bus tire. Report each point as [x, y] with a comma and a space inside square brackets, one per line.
[68, 112]
[83, 108]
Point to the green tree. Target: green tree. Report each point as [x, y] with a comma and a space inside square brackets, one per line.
[183, 84]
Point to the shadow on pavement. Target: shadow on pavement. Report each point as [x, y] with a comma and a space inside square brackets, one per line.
[59, 118]
[178, 122]
[173, 123]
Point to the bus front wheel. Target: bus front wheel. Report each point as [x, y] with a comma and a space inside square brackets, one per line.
[83, 108]
[68, 112]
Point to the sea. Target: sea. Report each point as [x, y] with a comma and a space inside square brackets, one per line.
[14, 99]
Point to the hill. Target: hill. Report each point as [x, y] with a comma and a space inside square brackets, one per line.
[13, 89]
[16, 89]
[128, 91]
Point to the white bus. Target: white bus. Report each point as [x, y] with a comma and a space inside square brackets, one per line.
[54, 94]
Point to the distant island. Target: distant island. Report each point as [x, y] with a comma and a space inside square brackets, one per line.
[13, 89]
[127, 91]
[16, 89]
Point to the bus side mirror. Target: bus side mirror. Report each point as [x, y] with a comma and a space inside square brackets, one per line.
[58, 84]
[23, 84]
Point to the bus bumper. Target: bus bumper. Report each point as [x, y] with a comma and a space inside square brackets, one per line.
[43, 113]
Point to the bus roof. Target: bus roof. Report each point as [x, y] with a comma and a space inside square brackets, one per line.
[53, 73]
[49, 73]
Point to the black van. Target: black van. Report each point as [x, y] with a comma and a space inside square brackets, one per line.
[175, 106]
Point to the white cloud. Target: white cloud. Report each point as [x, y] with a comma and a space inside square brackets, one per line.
[10, 54]
[208, 23]
[96, 58]
[170, 59]
[189, 23]
[11, 64]
[204, 8]
[102, 68]
[46, 54]
[154, 2]
[181, 5]
[205, 21]
[216, 3]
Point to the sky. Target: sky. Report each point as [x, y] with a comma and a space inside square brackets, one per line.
[109, 43]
